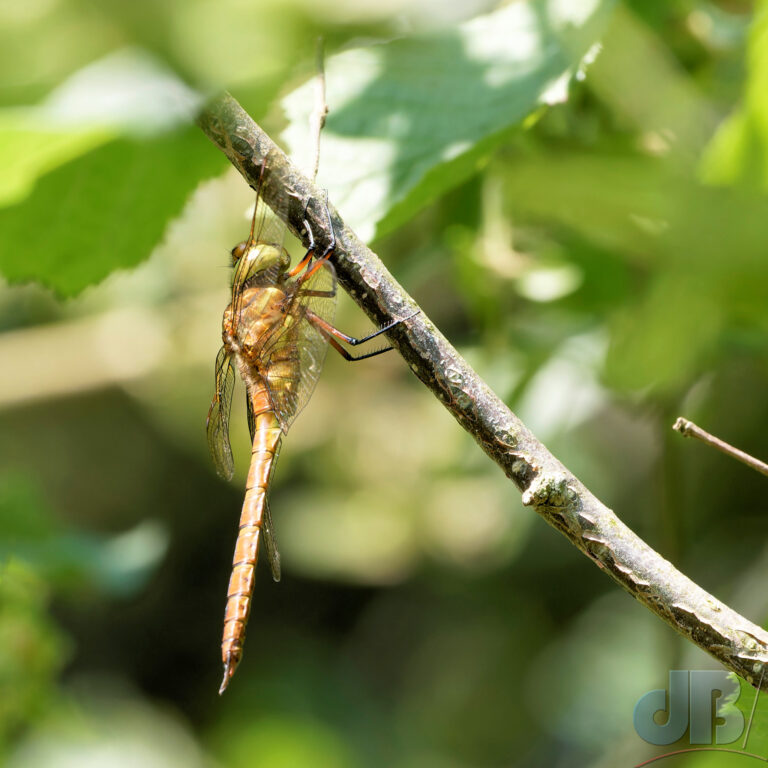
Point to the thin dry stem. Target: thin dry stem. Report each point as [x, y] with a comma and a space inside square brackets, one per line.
[689, 429]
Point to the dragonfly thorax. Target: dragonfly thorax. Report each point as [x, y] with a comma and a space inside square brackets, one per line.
[260, 310]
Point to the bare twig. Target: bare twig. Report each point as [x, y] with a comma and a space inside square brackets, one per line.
[689, 429]
[317, 118]
[546, 485]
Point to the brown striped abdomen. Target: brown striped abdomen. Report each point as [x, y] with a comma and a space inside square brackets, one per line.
[266, 443]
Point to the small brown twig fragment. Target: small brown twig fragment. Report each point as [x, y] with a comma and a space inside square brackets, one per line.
[320, 112]
[689, 429]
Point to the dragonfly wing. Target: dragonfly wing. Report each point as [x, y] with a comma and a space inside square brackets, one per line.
[300, 345]
[251, 418]
[268, 227]
[217, 424]
[267, 526]
[270, 545]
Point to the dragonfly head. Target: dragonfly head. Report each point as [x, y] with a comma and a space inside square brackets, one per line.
[259, 260]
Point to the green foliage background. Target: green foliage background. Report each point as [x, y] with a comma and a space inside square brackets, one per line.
[573, 192]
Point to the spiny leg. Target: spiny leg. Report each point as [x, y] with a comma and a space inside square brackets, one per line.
[351, 358]
[304, 261]
[333, 334]
[312, 248]
[325, 327]
[326, 254]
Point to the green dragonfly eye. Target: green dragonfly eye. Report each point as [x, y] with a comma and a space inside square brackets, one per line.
[238, 251]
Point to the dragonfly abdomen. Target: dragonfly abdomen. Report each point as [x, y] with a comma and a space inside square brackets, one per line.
[266, 442]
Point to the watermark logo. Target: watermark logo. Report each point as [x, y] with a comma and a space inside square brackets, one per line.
[693, 703]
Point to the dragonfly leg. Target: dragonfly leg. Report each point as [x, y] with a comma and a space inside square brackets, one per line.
[354, 358]
[311, 248]
[304, 260]
[325, 255]
[334, 334]
[325, 326]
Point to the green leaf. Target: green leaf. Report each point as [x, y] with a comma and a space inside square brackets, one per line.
[412, 118]
[91, 176]
[103, 211]
[28, 151]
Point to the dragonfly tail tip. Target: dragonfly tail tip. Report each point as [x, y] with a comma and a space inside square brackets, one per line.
[229, 670]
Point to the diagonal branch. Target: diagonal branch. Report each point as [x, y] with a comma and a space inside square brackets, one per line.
[546, 485]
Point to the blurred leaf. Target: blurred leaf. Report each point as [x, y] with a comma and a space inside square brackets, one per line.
[618, 201]
[104, 724]
[412, 118]
[702, 250]
[738, 152]
[645, 85]
[42, 41]
[744, 700]
[104, 211]
[128, 90]
[32, 650]
[661, 340]
[29, 532]
[284, 743]
[604, 635]
[741, 700]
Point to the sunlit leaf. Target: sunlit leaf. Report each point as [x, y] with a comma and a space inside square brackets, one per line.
[91, 176]
[412, 118]
[125, 93]
[103, 211]
[29, 150]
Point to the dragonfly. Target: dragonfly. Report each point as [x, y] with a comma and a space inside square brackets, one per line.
[275, 332]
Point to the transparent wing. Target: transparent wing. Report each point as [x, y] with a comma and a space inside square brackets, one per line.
[267, 226]
[268, 527]
[251, 418]
[270, 545]
[298, 346]
[217, 423]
